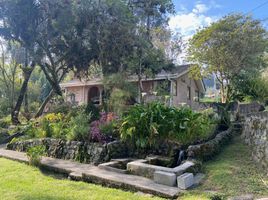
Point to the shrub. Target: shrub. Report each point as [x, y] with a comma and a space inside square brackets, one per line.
[35, 154]
[46, 130]
[150, 124]
[93, 110]
[5, 122]
[63, 107]
[104, 129]
[79, 127]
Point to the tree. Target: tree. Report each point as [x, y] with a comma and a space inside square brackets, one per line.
[47, 31]
[146, 61]
[10, 70]
[150, 54]
[234, 44]
[250, 86]
[151, 13]
[20, 20]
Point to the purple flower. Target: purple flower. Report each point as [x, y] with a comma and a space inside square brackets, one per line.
[95, 132]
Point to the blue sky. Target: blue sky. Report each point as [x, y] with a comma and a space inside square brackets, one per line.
[192, 14]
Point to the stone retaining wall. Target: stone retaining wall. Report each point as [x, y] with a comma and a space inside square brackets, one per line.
[207, 150]
[255, 134]
[94, 153]
[234, 107]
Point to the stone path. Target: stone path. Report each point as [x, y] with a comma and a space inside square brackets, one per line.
[93, 174]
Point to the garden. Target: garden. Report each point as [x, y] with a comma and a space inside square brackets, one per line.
[145, 127]
[93, 91]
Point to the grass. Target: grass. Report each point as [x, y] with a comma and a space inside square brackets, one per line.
[231, 173]
[22, 182]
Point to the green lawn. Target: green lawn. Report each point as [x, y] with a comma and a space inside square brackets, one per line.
[22, 182]
[231, 173]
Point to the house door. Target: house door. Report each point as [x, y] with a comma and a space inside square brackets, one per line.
[94, 95]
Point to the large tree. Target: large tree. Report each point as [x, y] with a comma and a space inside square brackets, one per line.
[49, 32]
[19, 22]
[151, 13]
[234, 44]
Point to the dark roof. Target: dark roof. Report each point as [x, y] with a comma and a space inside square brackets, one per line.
[177, 70]
[180, 69]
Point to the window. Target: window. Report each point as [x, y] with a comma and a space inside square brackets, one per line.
[72, 98]
[189, 93]
[174, 88]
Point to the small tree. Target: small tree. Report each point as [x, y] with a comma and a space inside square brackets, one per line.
[229, 46]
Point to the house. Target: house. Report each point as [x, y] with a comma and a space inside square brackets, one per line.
[181, 89]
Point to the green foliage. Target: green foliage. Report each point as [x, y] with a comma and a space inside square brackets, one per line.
[250, 87]
[224, 116]
[150, 124]
[163, 88]
[62, 107]
[71, 126]
[93, 111]
[5, 122]
[228, 47]
[119, 93]
[110, 129]
[35, 154]
[118, 101]
[79, 127]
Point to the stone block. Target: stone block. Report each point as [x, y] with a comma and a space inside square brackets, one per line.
[183, 167]
[185, 181]
[165, 178]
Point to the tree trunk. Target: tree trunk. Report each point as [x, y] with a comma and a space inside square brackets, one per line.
[140, 89]
[49, 96]
[54, 83]
[45, 102]
[27, 114]
[23, 90]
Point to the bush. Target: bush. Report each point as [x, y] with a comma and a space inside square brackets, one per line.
[104, 129]
[79, 127]
[63, 108]
[93, 111]
[35, 154]
[5, 122]
[150, 124]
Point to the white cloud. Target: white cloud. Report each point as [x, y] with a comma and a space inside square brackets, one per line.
[200, 8]
[188, 22]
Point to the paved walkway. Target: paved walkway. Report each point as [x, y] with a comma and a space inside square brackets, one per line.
[90, 173]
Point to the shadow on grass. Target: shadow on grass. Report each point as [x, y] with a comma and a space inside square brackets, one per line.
[55, 175]
[42, 197]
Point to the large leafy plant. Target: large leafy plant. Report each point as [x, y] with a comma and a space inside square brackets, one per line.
[151, 124]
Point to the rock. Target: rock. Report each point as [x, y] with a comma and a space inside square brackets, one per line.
[165, 178]
[188, 165]
[255, 134]
[185, 181]
[208, 149]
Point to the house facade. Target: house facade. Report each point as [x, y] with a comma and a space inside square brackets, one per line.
[178, 86]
